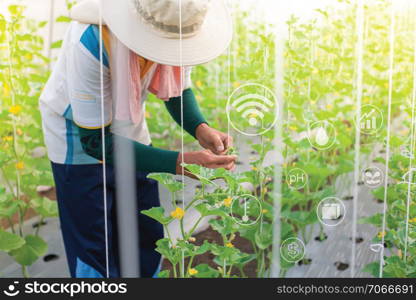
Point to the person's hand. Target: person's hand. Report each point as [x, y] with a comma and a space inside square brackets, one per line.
[212, 139]
[206, 159]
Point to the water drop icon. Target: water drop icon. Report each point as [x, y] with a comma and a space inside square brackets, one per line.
[321, 137]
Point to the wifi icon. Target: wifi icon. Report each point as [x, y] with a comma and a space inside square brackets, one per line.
[250, 103]
[253, 108]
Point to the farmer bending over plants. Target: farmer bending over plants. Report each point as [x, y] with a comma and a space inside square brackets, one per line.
[141, 52]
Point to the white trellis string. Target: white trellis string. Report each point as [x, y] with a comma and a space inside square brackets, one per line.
[182, 130]
[104, 162]
[411, 151]
[359, 95]
[391, 65]
[14, 125]
[229, 68]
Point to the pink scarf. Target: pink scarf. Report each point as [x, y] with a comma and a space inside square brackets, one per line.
[128, 70]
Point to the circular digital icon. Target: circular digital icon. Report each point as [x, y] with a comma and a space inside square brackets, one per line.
[321, 134]
[296, 178]
[331, 211]
[246, 209]
[371, 120]
[252, 109]
[292, 250]
[372, 177]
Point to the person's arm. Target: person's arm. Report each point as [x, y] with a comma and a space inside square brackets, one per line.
[192, 116]
[147, 158]
[196, 125]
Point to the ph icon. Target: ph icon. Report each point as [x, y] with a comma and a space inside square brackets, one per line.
[296, 178]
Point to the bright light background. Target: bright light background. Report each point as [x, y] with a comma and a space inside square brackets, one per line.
[268, 10]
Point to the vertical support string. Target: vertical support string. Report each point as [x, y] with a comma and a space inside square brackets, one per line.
[390, 95]
[359, 94]
[104, 162]
[50, 30]
[182, 130]
[411, 150]
[280, 38]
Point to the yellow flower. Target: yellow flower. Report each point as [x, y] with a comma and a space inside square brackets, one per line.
[227, 201]
[20, 165]
[15, 109]
[254, 169]
[8, 138]
[178, 213]
[198, 83]
[229, 245]
[264, 211]
[381, 234]
[6, 90]
[329, 106]
[29, 56]
[192, 271]
[413, 220]
[236, 84]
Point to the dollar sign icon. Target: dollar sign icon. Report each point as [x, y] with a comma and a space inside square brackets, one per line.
[293, 250]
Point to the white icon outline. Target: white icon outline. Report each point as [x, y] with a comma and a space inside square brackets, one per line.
[252, 121]
[285, 242]
[342, 212]
[326, 124]
[245, 217]
[373, 122]
[297, 187]
[363, 176]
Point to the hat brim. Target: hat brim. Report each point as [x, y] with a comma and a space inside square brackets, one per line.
[211, 41]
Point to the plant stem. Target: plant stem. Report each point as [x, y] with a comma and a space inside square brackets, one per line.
[25, 272]
[194, 227]
[39, 225]
[182, 230]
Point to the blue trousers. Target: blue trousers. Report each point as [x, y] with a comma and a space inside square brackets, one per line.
[81, 211]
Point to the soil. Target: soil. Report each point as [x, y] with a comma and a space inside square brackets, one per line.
[207, 258]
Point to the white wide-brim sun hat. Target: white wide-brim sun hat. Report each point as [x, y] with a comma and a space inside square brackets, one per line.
[212, 38]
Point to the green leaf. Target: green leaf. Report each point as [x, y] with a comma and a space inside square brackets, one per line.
[168, 180]
[264, 237]
[207, 210]
[158, 213]
[45, 207]
[205, 271]
[63, 19]
[163, 274]
[16, 10]
[56, 45]
[10, 241]
[8, 209]
[34, 248]
[174, 255]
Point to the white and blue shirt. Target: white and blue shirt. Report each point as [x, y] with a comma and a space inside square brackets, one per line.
[73, 95]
